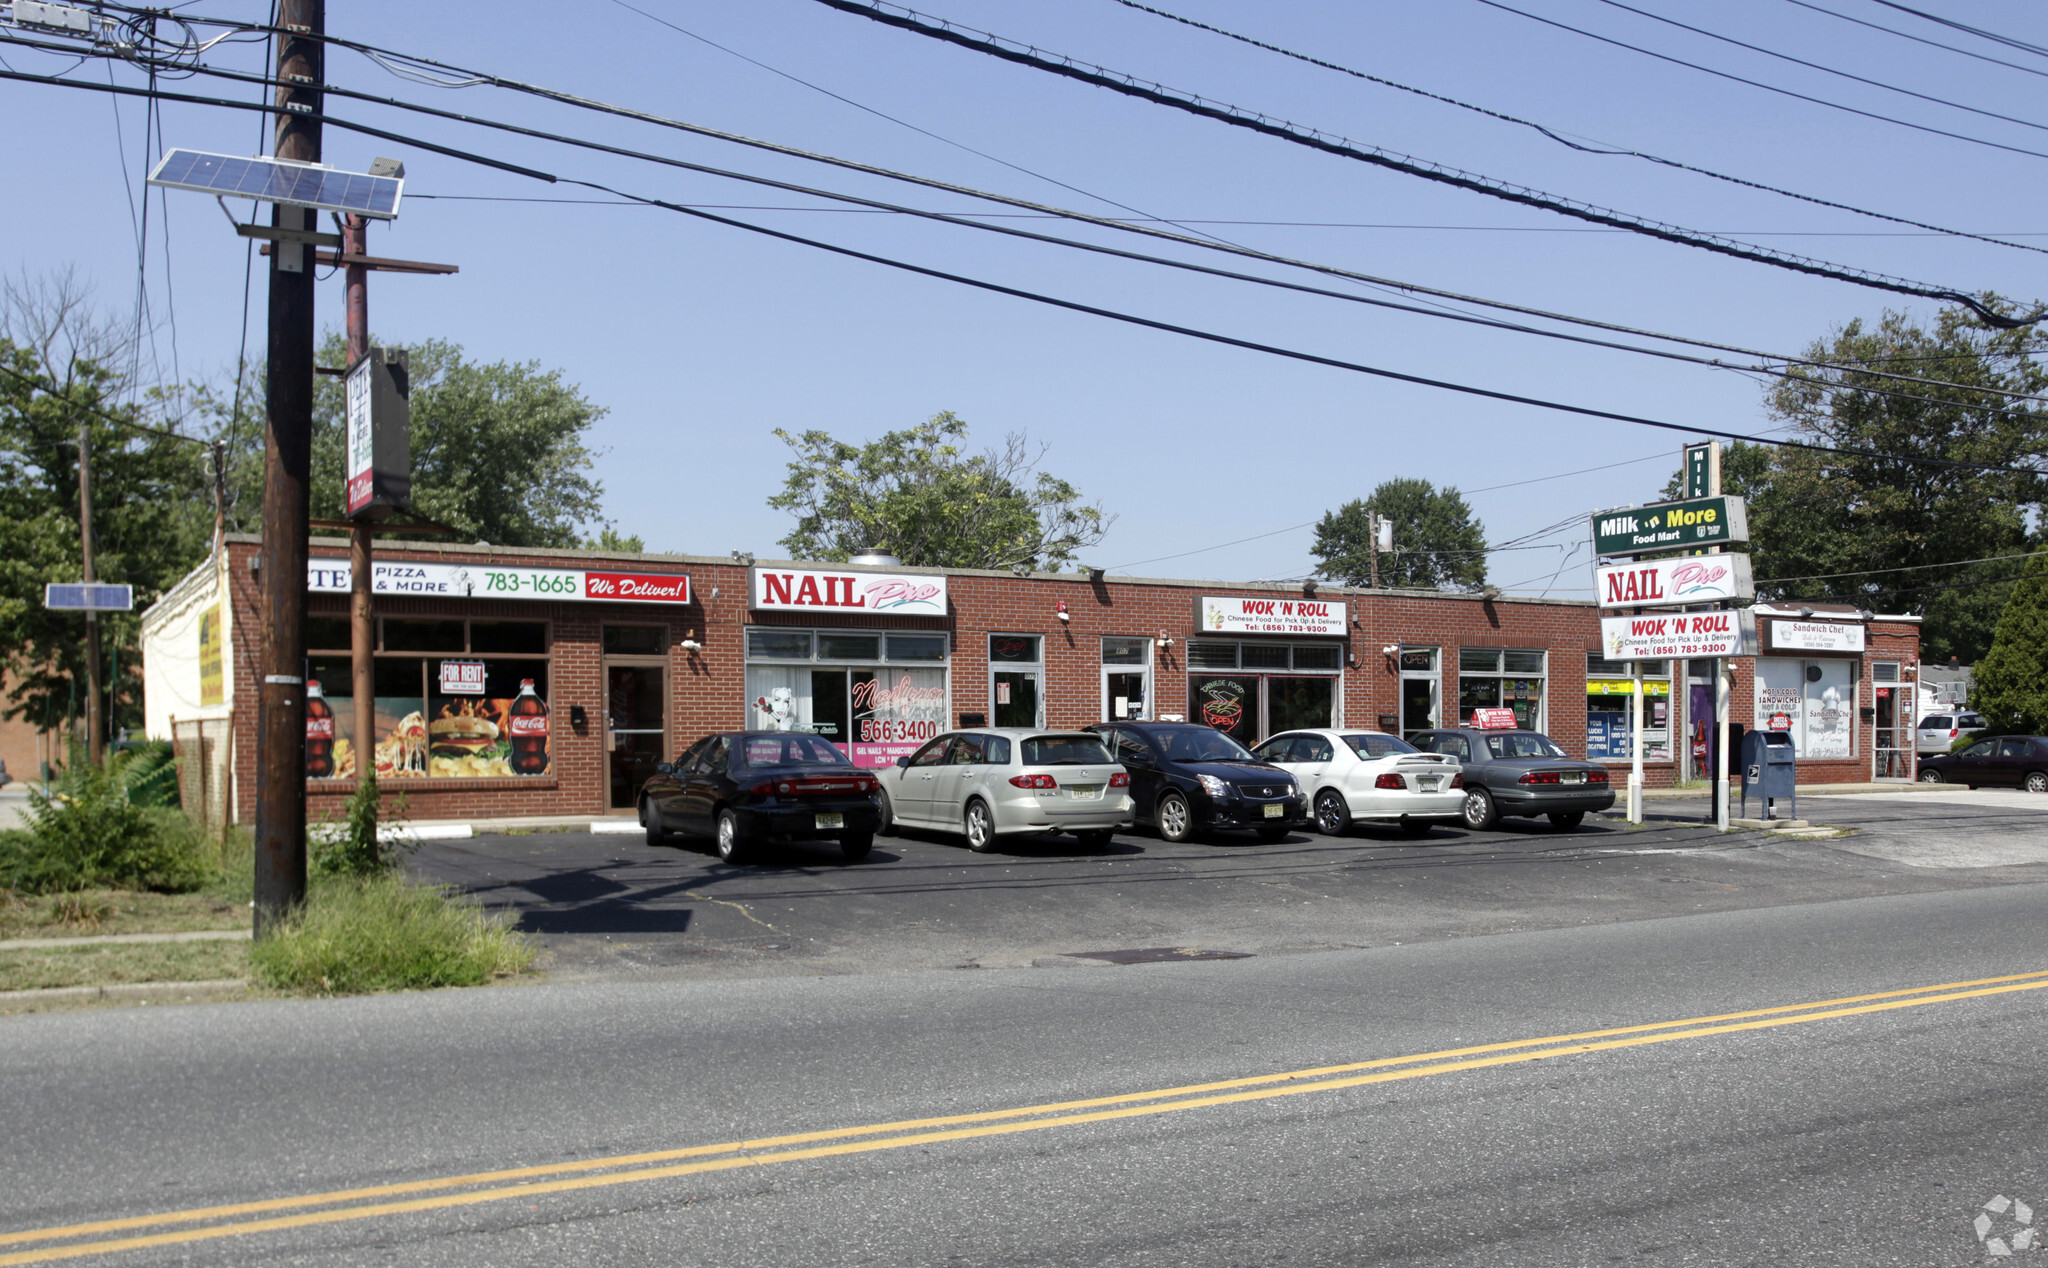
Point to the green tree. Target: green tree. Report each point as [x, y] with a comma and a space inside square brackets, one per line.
[497, 449]
[1903, 528]
[2011, 684]
[152, 522]
[1437, 543]
[919, 494]
[610, 538]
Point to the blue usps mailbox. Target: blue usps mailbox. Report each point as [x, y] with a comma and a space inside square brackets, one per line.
[1768, 770]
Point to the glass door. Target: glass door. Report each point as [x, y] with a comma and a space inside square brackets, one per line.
[1123, 693]
[1421, 690]
[636, 738]
[1894, 746]
[1015, 693]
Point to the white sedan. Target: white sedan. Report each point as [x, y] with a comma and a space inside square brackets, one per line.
[1366, 777]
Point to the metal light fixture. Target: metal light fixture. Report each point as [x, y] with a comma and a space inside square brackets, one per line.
[1061, 612]
[1309, 587]
[690, 643]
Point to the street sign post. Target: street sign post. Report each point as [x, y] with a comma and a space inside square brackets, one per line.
[1703, 469]
[1687, 525]
[89, 596]
[379, 435]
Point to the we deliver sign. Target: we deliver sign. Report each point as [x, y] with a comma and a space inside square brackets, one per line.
[1238, 614]
[1652, 583]
[1678, 637]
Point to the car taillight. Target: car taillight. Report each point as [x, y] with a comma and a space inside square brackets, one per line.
[764, 788]
[1596, 777]
[1121, 779]
[1458, 780]
[1539, 777]
[1034, 781]
[1390, 780]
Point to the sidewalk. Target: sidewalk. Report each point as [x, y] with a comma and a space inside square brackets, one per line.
[1805, 790]
[13, 800]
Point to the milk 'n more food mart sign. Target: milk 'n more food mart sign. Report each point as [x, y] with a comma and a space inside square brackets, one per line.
[1712, 521]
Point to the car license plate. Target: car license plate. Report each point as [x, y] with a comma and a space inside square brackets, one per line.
[1432, 783]
[831, 821]
[1572, 777]
[1275, 812]
[1085, 792]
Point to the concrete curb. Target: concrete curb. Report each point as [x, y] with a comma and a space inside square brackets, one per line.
[122, 939]
[147, 992]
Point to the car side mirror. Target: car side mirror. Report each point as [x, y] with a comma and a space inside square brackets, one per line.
[903, 761]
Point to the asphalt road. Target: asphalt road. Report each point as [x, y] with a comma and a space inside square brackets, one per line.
[650, 1122]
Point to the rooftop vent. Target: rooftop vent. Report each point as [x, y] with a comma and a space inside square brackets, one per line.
[876, 556]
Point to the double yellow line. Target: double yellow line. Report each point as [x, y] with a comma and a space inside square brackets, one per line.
[209, 1223]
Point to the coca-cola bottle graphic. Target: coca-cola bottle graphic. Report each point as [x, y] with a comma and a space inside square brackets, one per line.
[319, 733]
[527, 720]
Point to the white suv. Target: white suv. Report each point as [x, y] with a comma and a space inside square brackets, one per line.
[1940, 730]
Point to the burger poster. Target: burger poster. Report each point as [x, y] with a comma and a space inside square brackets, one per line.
[452, 737]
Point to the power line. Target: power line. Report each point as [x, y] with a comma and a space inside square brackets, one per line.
[1919, 39]
[1754, 83]
[1566, 141]
[1800, 61]
[52, 390]
[1872, 572]
[1980, 32]
[1116, 81]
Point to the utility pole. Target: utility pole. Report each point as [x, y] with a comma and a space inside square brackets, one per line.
[287, 451]
[93, 736]
[362, 630]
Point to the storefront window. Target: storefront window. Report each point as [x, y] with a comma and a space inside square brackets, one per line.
[849, 647]
[874, 713]
[634, 640]
[1124, 651]
[917, 647]
[1609, 720]
[1251, 705]
[772, 644]
[445, 716]
[1489, 678]
[1207, 654]
[1230, 703]
[1812, 700]
[1022, 648]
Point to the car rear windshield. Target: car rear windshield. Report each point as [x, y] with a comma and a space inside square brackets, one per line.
[1065, 750]
[790, 750]
[1370, 746]
[1932, 721]
[1200, 744]
[1522, 744]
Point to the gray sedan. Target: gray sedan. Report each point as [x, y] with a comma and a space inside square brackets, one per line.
[1009, 781]
[1526, 773]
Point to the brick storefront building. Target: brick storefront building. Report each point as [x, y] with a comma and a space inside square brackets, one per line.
[635, 656]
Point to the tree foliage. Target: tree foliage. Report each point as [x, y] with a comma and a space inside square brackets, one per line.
[2011, 684]
[1437, 543]
[918, 493]
[1814, 516]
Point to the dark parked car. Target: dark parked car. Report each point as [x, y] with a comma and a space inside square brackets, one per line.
[1187, 779]
[2013, 761]
[748, 786]
[1510, 773]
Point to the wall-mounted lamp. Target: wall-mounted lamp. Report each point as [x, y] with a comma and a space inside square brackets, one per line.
[714, 592]
[1806, 612]
[1164, 639]
[1390, 649]
[1309, 587]
[743, 557]
[1061, 612]
[690, 643]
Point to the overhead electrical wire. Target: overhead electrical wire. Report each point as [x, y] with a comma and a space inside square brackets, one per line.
[1349, 297]
[1977, 31]
[1066, 304]
[1919, 39]
[1830, 70]
[52, 390]
[1757, 83]
[1116, 81]
[1566, 141]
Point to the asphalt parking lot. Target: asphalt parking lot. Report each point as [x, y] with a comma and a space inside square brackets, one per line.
[611, 906]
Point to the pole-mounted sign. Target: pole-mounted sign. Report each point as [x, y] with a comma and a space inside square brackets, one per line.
[379, 435]
[90, 596]
[1705, 521]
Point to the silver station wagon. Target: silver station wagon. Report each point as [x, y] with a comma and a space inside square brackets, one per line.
[1007, 781]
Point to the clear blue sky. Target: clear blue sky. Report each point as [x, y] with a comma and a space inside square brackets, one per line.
[700, 340]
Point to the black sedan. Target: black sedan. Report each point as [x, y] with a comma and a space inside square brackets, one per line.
[1187, 779]
[743, 787]
[2009, 761]
[1520, 773]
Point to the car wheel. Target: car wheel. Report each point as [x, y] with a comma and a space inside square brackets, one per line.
[2037, 781]
[1333, 813]
[981, 829]
[855, 845]
[1931, 777]
[1095, 840]
[888, 825]
[731, 847]
[1567, 820]
[1415, 827]
[1175, 819]
[650, 819]
[1480, 813]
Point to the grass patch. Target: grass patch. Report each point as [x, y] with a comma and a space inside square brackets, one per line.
[355, 936]
[125, 962]
[95, 911]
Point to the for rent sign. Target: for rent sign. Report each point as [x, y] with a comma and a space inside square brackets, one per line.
[1241, 614]
[1679, 636]
[1651, 583]
[808, 590]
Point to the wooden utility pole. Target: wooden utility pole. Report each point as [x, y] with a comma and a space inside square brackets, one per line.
[361, 614]
[287, 453]
[94, 738]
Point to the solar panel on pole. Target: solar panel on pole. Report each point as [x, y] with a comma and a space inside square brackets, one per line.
[272, 180]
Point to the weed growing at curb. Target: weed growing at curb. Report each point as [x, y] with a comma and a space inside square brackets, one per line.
[358, 935]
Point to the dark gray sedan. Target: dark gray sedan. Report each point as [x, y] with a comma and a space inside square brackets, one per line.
[1525, 773]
